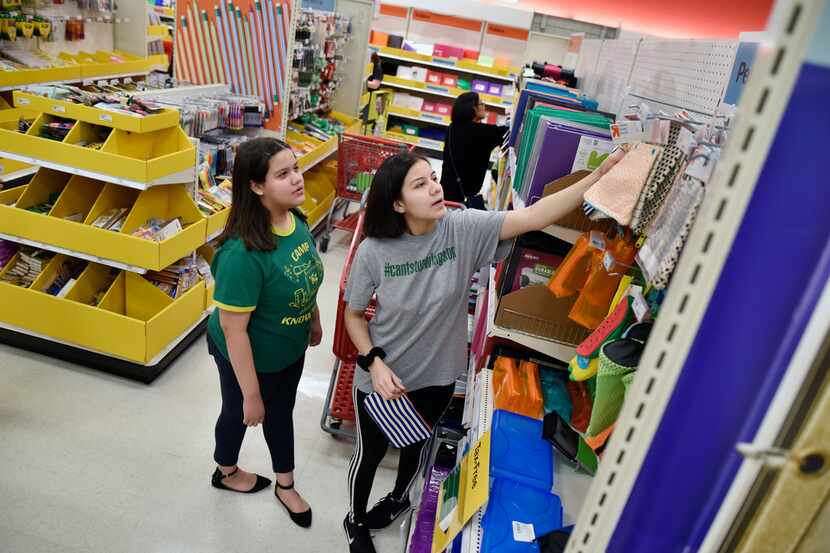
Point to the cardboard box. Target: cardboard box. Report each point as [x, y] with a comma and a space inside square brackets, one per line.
[448, 51]
[420, 74]
[448, 79]
[576, 220]
[434, 77]
[481, 86]
[379, 39]
[494, 89]
[429, 107]
[404, 72]
[444, 109]
[395, 41]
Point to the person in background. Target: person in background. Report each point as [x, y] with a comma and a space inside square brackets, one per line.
[417, 260]
[373, 82]
[267, 274]
[376, 78]
[467, 151]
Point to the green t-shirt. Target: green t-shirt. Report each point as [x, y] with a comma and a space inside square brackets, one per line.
[279, 288]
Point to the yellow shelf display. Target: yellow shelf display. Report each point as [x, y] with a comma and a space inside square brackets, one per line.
[89, 199]
[101, 64]
[134, 320]
[112, 198]
[94, 116]
[138, 160]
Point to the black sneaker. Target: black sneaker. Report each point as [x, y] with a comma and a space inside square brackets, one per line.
[357, 535]
[385, 512]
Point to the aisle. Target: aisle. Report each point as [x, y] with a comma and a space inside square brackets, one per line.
[95, 464]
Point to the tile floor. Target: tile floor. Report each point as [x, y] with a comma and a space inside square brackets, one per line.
[92, 463]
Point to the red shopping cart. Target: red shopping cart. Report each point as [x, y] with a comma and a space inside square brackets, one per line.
[358, 157]
[338, 406]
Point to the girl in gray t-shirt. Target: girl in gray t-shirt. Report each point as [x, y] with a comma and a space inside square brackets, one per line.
[417, 260]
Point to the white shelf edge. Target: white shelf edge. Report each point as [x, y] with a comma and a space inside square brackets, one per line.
[434, 145]
[547, 347]
[444, 66]
[79, 80]
[183, 177]
[72, 253]
[18, 174]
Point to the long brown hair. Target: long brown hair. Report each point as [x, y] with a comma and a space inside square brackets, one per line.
[249, 220]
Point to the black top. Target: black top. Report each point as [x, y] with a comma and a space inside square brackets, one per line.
[377, 72]
[467, 150]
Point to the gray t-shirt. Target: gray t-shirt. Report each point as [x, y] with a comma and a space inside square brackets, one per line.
[422, 285]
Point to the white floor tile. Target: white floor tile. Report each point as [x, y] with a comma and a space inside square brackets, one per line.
[93, 463]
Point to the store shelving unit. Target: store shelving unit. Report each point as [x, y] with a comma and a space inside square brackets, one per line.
[718, 337]
[134, 329]
[506, 74]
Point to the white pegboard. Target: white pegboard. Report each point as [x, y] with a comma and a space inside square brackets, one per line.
[586, 65]
[688, 74]
[616, 60]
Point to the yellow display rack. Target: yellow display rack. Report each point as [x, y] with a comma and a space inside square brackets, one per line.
[91, 198]
[61, 108]
[71, 72]
[322, 149]
[135, 321]
[136, 160]
[96, 65]
[446, 91]
[320, 192]
[158, 31]
[135, 329]
[463, 66]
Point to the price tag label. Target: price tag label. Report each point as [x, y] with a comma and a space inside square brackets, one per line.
[639, 305]
[608, 262]
[597, 240]
[523, 532]
[623, 132]
[23, 102]
[105, 117]
[59, 109]
[686, 141]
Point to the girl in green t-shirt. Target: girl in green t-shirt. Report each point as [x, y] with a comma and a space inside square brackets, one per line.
[267, 274]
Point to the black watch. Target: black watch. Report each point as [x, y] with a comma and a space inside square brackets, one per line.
[365, 361]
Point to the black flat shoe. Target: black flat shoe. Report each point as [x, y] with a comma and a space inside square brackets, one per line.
[303, 520]
[216, 481]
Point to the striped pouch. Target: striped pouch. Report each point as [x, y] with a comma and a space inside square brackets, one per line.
[398, 419]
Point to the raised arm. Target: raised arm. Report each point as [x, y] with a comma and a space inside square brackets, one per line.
[551, 208]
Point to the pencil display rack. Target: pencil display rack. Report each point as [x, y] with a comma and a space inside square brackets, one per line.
[138, 160]
[112, 204]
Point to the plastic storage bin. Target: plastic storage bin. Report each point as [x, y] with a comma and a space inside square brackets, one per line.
[512, 501]
[518, 452]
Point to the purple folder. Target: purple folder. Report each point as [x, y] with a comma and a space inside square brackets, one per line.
[557, 151]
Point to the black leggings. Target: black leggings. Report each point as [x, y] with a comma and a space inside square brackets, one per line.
[371, 446]
[278, 391]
